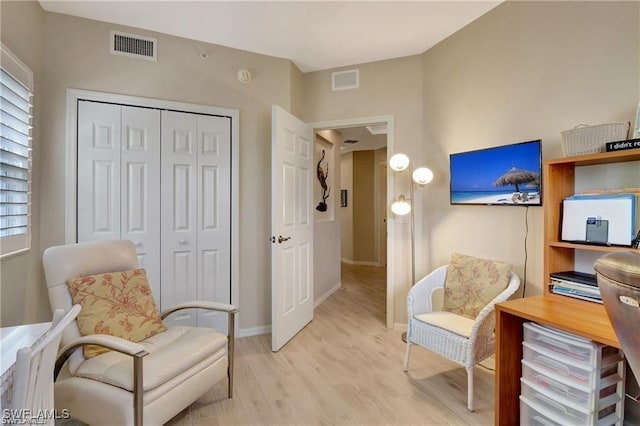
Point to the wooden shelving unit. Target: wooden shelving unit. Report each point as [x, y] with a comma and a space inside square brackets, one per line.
[579, 317]
[558, 184]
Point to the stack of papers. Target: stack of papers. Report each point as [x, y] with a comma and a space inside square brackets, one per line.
[576, 284]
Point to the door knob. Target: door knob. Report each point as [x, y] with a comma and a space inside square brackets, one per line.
[282, 239]
[182, 241]
[137, 244]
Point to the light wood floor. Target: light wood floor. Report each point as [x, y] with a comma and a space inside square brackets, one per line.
[344, 368]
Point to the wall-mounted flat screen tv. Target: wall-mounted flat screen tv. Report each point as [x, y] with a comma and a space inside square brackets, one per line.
[509, 175]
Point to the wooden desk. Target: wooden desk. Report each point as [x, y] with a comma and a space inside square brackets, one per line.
[585, 319]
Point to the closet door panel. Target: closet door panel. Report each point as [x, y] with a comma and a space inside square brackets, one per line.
[99, 145]
[141, 189]
[214, 216]
[179, 213]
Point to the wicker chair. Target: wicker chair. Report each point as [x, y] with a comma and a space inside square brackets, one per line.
[457, 338]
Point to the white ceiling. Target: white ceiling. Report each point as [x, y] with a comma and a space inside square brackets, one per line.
[366, 141]
[315, 35]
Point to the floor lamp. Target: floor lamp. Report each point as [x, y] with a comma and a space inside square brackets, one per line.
[402, 206]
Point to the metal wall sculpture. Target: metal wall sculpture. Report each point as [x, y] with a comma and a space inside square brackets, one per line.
[323, 175]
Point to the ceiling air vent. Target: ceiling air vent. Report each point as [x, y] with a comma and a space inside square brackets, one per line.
[343, 80]
[134, 46]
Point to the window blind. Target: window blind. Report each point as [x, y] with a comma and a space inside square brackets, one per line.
[15, 163]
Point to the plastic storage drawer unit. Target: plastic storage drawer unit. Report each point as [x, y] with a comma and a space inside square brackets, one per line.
[556, 387]
[569, 380]
[570, 412]
[532, 413]
[572, 347]
[587, 374]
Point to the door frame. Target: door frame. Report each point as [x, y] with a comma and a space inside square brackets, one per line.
[71, 208]
[366, 121]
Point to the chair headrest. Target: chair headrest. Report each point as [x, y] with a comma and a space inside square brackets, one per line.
[96, 257]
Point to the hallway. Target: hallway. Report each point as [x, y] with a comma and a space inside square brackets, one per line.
[365, 287]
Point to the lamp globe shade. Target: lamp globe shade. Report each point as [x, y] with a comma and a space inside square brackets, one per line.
[401, 207]
[399, 162]
[422, 175]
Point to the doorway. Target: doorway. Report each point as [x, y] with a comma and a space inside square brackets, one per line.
[382, 233]
[363, 177]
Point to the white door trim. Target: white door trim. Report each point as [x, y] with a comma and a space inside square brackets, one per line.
[389, 120]
[70, 214]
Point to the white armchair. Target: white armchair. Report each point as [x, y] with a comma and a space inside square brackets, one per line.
[147, 382]
[455, 337]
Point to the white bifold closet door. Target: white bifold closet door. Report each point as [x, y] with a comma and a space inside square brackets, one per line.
[163, 180]
[119, 180]
[196, 221]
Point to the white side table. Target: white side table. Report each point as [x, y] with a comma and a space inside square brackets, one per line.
[11, 340]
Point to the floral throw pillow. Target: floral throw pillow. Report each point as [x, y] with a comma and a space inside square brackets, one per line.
[471, 283]
[115, 303]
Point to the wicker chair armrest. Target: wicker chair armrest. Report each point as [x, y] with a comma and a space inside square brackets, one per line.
[419, 299]
[200, 304]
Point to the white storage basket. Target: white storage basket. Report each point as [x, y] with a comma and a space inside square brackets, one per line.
[591, 139]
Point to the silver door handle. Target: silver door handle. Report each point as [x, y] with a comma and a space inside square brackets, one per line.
[137, 244]
[281, 239]
[182, 241]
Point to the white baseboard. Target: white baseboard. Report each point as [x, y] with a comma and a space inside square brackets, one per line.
[328, 294]
[359, 262]
[266, 329]
[254, 331]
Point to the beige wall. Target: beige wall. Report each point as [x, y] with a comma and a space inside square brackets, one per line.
[364, 243]
[523, 71]
[392, 87]
[346, 213]
[326, 231]
[297, 90]
[22, 292]
[360, 236]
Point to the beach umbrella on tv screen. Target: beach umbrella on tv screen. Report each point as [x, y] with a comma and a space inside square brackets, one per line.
[516, 177]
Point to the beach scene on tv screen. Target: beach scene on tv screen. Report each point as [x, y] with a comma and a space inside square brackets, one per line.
[508, 174]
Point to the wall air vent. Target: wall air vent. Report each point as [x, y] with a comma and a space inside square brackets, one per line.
[343, 80]
[134, 46]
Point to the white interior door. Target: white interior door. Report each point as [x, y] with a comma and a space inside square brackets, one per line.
[98, 171]
[119, 179]
[140, 188]
[214, 217]
[292, 227]
[161, 179]
[179, 214]
[196, 215]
